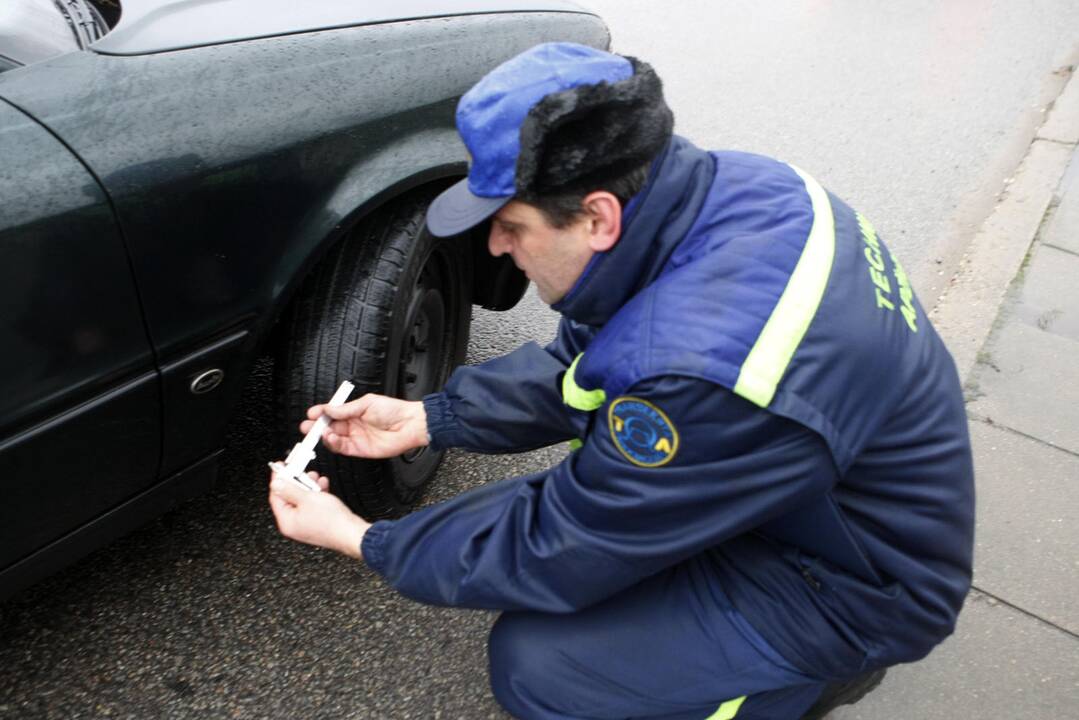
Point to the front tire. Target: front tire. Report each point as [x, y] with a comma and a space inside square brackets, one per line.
[388, 309]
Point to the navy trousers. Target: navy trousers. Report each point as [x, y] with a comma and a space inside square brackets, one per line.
[670, 648]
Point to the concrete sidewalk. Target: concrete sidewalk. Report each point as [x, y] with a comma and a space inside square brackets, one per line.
[1016, 650]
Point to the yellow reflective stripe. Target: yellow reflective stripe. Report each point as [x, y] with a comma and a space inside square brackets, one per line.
[577, 397]
[576, 444]
[727, 710]
[771, 354]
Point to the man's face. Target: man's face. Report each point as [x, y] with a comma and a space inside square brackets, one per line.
[553, 258]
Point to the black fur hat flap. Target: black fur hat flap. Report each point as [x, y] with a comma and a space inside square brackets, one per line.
[575, 140]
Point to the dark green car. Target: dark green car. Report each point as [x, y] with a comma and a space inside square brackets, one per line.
[185, 186]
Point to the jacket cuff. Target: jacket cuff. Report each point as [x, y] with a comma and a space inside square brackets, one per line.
[372, 547]
[442, 429]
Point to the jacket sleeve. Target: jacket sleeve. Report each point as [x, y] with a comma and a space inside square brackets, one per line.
[596, 523]
[512, 403]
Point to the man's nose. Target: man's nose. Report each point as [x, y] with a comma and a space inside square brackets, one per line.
[497, 242]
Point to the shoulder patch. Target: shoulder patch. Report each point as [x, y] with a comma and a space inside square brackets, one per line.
[642, 432]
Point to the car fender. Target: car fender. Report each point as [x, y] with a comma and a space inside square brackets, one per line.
[232, 168]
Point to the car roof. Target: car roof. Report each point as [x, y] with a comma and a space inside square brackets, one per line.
[151, 26]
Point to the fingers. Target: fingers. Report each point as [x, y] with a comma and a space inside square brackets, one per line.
[336, 443]
[339, 435]
[344, 412]
[282, 513]
[356, 408]
[322, 480]
[338, 426]
[287, 490]
[280, 507]
[313, 414]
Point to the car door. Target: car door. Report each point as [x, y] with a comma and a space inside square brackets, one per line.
[80, 426]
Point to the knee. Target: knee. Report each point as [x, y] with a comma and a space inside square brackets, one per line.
[519, 665]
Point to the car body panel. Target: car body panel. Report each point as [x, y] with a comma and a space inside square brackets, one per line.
[123, 518]
[76, 358]
[228, 172]
[65, 472]
[152, 26]
[72, 326]
[263, 152]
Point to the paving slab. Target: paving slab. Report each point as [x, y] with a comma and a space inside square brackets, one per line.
[1000, 663]
[1049, 296]
[965, 315]
[1026, 380]
[1062, 125]
[1062, 231]
[1027, 535]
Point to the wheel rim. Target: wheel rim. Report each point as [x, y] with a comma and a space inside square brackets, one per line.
[421, 357]
[424, 364]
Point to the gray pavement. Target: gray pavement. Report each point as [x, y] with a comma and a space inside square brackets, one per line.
[1015, 652]
[914, 112]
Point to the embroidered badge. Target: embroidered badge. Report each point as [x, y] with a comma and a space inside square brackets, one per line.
[642, 432]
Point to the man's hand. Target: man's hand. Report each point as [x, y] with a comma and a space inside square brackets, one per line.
[375, 426]
[316, 518]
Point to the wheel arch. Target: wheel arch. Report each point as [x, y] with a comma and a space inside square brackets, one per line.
[366, 190]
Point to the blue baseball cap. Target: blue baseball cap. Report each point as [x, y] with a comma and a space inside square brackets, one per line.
[489, 120]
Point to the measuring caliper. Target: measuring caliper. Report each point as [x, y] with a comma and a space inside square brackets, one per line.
[295, 465]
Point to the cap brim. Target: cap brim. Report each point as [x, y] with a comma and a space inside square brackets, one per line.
[457, 209]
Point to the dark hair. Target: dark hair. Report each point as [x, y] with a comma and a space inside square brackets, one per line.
[562, 209]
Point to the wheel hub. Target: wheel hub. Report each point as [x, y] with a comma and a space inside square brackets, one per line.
[421, 357]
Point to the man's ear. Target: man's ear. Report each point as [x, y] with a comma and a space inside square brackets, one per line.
[604, 213]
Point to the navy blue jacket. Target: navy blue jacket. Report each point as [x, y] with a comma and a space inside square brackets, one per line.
[753, 379]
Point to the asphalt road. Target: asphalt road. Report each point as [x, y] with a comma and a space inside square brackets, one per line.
[914, 111]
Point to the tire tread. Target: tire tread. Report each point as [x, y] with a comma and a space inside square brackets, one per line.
[339, 326]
